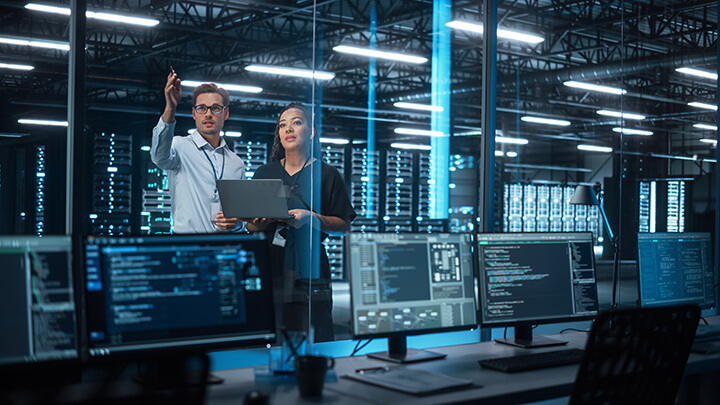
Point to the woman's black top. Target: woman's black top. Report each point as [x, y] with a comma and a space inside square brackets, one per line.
[330, 199]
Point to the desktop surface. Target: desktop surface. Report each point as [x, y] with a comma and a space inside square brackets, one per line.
[488, 386]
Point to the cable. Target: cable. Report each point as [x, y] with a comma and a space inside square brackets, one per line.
[357, 349]
[574, 330]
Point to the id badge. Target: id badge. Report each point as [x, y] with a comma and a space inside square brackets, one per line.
[279, 240]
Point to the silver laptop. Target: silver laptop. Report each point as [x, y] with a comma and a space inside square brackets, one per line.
[253, 198]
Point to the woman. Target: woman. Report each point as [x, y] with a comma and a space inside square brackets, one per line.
[301, 270]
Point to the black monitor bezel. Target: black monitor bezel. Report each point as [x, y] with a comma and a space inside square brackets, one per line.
[526, 322]
[54, 371]
[180, 345]
[415, 332]
[639, 278]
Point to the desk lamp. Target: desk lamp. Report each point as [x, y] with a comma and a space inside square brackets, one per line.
[586, 195]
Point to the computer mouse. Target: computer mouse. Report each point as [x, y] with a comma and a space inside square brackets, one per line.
[256, 398]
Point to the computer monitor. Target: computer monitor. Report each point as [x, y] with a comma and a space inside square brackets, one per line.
[676, 268]
[37, 309]
[181, 293]
[407, 284]
[528, 279]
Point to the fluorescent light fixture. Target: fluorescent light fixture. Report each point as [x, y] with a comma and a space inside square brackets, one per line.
[501, 33]
[499, 153]
[226, 86]
[697, 72]
[619, 114]
[145, 22]
[15, 66]
[630, 131]
[294, 72]
[595, 148]
[703, 105]
[468, 133]
[145, 148]
[416, 106]
[62, 46]
[125, 19]
[519, 36]
[705, 126]
[594, 87]
[515, 141]
[691, 158]
[335, 141]
[548, 121]
[410, 146]
[42, 122]
[48, 9]
[421, 132]
[706, 140]
[374, 53]
[511, 153]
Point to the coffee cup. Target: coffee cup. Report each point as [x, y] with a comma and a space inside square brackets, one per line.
[310, 372]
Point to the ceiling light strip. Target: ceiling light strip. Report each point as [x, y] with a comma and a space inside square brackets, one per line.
[501, 33]
[697, 72]
[412, 146]
[620, 114]
[416, 106]
[547, 121]
[15, 66]
[293, 72]
[594, 87]
[374, 53]
[112, 17]
[226, 86]
[421, 132]
[595, 148]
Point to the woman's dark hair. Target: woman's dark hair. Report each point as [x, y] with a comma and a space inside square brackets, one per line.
[278, 151]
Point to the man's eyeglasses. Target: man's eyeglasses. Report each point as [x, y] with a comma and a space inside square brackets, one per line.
[215, 109]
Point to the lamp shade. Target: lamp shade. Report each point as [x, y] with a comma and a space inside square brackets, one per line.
[584, 195]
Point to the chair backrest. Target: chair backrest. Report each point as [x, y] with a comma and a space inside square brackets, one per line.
[636, 356]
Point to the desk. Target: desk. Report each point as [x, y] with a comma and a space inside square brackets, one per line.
[461, 362]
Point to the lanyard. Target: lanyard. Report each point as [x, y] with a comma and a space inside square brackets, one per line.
[222, 171]
[292, 187]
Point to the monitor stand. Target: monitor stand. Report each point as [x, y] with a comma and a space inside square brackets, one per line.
[524, 338]
[399, 353]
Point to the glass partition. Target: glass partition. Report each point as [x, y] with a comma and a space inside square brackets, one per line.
[34, 52]
[620, 98]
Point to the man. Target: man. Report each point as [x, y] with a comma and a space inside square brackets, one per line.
[194, 162]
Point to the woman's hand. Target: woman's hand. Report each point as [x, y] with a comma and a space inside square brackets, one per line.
[257, 224]
[299, 218]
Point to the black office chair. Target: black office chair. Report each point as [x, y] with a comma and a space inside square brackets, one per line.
[636, 356]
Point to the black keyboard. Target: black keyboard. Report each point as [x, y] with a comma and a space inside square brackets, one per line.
[533, 361]
[707, 331]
